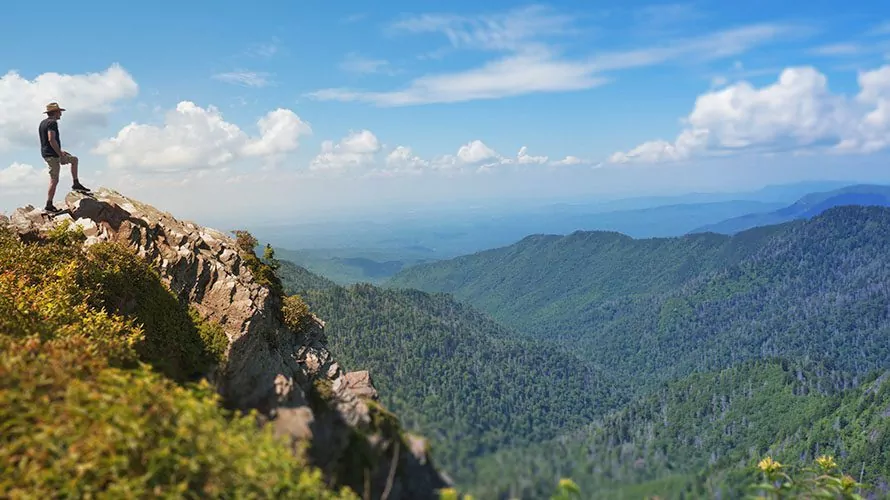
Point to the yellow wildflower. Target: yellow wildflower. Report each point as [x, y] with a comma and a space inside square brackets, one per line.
[848, 482]
[768, 465]
[448, 494]
[568, 485]
[826, 463]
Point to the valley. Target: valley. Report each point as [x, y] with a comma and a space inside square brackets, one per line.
[696, 355]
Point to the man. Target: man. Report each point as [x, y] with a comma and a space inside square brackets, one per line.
[54, 155]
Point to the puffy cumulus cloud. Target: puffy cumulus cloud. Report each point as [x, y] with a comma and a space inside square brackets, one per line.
[362, 153]
[280, 133]
[193, 137]
[355, 150]
[796, 113]
[477, 155]
[89, 99]
[574, 161]
[21, 177]
[403, 160]
[568, 160]
[872, 131]
[475, 152]
[524, 158]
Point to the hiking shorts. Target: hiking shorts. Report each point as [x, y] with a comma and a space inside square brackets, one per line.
[54, 164]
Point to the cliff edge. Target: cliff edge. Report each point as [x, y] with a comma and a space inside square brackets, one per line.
[272, 363]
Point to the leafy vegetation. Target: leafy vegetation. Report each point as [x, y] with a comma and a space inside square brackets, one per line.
[91, 350]
[700, 437]
[263, 272]
[820, 481]
[450, 373]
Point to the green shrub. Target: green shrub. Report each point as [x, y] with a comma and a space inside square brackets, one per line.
[175, 343]
[263, 273]
[823, 480]
[91, 344]
[75, 428]
[296, 313]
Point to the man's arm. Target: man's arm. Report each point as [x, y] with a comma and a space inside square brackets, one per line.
[51, 134]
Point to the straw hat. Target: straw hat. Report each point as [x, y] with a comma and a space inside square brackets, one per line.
[53, 106]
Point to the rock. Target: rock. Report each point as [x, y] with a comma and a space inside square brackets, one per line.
[294, 424]
[360, 384]
[267, 366]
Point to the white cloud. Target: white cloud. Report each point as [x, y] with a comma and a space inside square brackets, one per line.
[796, 113]
[524, 158]
[193, 137]
[873, 130]
[280, 133]
[354, 63]
[838, 49]
[534, 71]
[569, 160]
[709, 47]
[355, 150]
[509, 31]
[403, 159]
[88, 97]
[20, 176]
[245, 78]
[532, 65]
[475, 152]
[477, 155]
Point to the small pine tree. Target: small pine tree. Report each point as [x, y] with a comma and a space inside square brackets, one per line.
[269, 257]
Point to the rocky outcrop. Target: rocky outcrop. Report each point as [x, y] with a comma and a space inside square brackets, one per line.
[289, 376]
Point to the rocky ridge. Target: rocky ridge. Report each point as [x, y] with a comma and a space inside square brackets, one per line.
[289, 376]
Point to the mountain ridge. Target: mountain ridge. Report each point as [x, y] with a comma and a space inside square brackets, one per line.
[806, 207]
[609, 303]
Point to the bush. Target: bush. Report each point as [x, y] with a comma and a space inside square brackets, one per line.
[75, 428]
[824, 480]
[177, 341]
[296, 313]
[90, 344]
[263, 273]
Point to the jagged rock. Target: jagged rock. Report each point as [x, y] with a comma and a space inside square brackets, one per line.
[334, 371]
[360, 384]
[267, 366]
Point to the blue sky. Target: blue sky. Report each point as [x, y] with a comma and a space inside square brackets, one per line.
[337, 106]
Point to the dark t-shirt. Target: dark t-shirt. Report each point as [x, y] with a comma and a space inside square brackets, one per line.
[45, 126]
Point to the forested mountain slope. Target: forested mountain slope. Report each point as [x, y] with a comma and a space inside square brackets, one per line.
[702, 436]
[472, 386]
[660, 309]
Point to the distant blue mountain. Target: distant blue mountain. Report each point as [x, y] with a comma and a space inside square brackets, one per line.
[809, 206]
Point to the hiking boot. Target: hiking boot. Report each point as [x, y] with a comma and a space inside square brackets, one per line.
[80, 188]
[51, 208]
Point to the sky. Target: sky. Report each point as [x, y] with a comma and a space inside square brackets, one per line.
[281, 109]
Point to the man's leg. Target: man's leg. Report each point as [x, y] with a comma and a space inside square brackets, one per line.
[76, 185]
[53, 166]
[73, 160]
